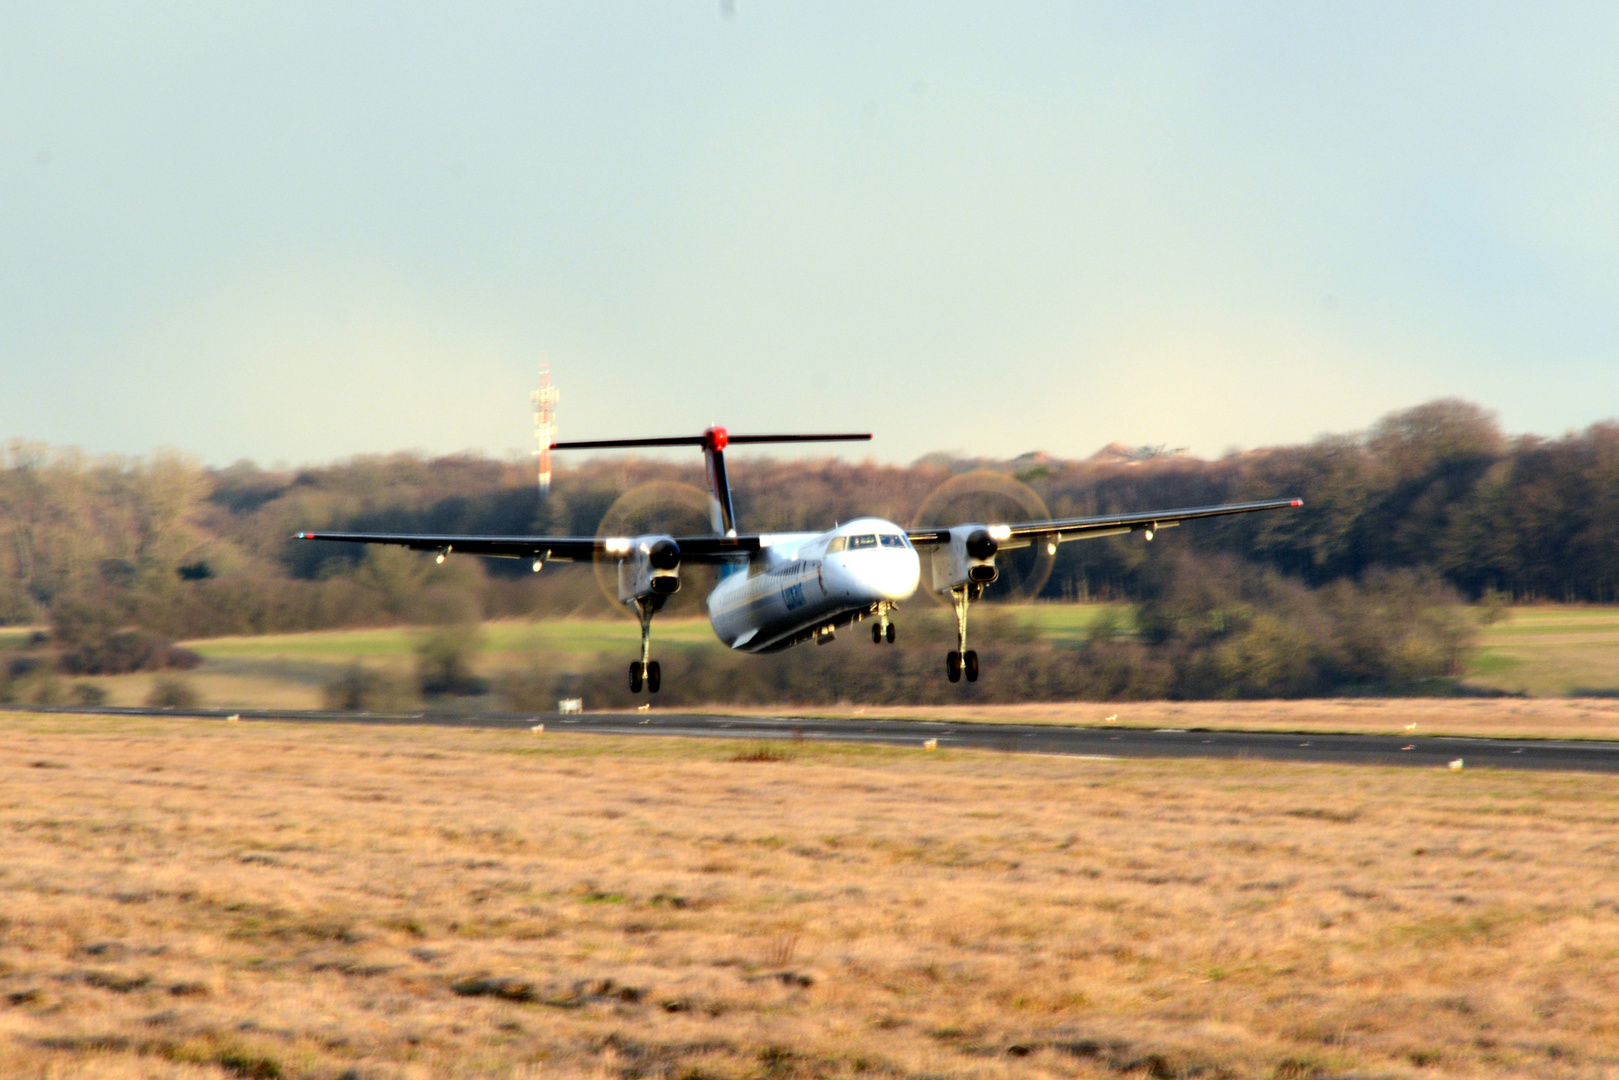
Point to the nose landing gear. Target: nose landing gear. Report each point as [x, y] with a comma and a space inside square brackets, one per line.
[884, 630]
[962, 660]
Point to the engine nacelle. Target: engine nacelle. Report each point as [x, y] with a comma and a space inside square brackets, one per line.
[649, 567]
[969, 559]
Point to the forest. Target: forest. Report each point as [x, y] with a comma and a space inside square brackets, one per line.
[121, 557]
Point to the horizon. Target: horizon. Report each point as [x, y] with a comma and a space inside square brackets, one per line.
[1115, 452]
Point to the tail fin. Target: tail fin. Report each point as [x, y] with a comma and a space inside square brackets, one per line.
[713, 441]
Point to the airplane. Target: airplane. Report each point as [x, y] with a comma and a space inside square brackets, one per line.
[776, 590]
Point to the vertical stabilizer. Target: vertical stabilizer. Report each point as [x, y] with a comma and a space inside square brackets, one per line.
[721, 513]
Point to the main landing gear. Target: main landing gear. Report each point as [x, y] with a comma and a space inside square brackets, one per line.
[962, 660]
[644, 670]
[883, 630]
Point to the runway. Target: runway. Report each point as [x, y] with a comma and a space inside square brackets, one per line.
[1567, 755]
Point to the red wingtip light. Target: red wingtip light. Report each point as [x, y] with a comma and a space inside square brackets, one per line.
[1298, 502]
[717, 438]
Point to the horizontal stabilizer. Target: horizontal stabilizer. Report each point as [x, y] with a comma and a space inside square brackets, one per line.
[717, 435]
[801, 438]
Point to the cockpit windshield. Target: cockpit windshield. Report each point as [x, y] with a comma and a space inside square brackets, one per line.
[865, 540]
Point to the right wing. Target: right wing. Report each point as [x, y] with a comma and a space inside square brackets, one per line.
[1060, 530]
[697, 549]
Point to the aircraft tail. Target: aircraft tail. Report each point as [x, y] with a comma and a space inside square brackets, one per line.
[713, 441]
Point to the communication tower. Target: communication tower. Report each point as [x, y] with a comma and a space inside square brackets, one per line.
[545, 428]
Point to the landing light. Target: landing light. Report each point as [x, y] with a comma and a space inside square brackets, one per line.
[1000, 532]
[617, 545]
[1051, 547]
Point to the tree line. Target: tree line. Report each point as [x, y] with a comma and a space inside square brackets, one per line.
[102, 548]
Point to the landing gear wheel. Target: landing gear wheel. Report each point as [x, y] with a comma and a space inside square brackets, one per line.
[654, 676]
[876, 635]
[952, 666]
[891, 633]
[635, 677]
[970, 663]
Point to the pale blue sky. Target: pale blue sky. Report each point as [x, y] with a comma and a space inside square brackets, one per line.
[296, 232]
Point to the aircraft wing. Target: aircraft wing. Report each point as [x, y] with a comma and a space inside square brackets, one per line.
[693, 549]
[1060, 530]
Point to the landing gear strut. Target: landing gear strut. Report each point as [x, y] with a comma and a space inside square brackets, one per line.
[884, 629]
[962, 660]
[645, 670]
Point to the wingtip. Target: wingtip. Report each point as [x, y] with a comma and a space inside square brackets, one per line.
[1297, 502]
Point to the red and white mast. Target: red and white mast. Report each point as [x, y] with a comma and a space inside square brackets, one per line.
[545, 428]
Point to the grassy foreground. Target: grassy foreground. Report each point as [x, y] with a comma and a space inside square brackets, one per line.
[203, 899]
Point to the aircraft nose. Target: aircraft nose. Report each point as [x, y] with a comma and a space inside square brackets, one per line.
[897, 575]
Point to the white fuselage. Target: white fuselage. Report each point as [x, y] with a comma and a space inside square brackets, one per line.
[799, 584]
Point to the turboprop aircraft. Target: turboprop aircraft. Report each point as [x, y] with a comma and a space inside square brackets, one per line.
[779, 589]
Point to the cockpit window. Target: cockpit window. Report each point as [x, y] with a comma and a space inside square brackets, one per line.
[865, 540]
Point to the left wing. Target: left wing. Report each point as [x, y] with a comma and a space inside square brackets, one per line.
[697, 549]
[1056, 532]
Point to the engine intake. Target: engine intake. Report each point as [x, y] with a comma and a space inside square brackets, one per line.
[969, 559]
[980, 545]
[649, 568]
[664, 555]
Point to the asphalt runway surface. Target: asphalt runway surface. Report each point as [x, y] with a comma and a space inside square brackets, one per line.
[1569, 755]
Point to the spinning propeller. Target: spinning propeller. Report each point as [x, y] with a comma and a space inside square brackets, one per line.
[984, 495]
[659, 506]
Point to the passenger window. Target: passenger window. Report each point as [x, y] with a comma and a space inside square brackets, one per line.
[891, 540]
[836, 544]
[865, 541]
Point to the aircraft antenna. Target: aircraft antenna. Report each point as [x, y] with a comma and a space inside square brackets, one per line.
[545, 427]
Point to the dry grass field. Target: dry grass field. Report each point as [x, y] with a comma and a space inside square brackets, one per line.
[194, 899]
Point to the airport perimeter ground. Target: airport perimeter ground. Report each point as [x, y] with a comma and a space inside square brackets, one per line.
[1559, 663]
[203, 899]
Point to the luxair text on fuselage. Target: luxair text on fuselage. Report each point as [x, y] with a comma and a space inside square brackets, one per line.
[802, 585]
